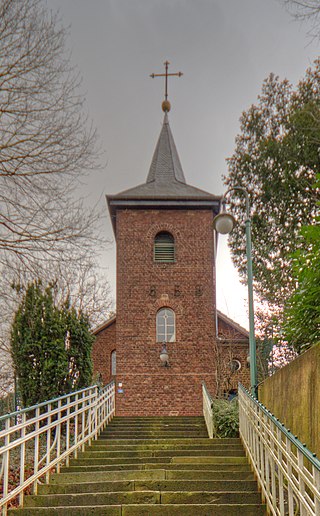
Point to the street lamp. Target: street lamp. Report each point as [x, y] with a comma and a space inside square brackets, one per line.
[224, 223]
[164, 356]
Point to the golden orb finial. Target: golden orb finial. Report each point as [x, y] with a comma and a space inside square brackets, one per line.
[166, 106]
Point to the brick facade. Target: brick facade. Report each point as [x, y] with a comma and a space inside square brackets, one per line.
[103, 346]
[187, 287]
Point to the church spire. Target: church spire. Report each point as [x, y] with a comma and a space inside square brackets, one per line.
[165, 165]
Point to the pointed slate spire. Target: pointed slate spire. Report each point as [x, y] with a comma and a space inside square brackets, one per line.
[165, 187]
[165, 166]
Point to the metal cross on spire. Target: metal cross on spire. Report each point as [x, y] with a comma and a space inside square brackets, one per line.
[166, 104]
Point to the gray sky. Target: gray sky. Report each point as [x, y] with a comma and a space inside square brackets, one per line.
[225, 48]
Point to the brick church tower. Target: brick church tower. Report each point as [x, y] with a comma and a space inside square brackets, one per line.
[166, 296]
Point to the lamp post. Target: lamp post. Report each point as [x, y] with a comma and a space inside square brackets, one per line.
[224, 223]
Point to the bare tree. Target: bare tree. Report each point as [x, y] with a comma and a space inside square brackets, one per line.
[45, 142]
[46, 147]
[306, 10]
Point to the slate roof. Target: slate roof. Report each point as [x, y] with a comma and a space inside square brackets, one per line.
[165, 186]
[165, 178]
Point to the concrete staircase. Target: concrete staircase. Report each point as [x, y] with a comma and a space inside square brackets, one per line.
[149, 466]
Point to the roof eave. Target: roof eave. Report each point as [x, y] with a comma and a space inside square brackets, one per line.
[160, 203]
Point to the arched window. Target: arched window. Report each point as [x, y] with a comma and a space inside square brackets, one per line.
[166, 331]
[163, 250]
[113, 362]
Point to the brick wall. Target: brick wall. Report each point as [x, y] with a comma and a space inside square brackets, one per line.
[143, 287]
[102, 348]
[186, 286]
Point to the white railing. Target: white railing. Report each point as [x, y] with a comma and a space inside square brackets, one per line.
[288, 473]
[37, 440]
[207, 403]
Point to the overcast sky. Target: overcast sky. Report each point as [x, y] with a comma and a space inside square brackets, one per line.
[225, 49]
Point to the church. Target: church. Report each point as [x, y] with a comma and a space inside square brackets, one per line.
[167, 336]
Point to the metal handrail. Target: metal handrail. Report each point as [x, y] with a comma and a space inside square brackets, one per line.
[288, 473]
[207, 403]
[50, 432]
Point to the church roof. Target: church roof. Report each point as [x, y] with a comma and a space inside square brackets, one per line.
[221, 316]
[165, 186]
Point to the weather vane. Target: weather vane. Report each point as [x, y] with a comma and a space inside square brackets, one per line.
[166, 104]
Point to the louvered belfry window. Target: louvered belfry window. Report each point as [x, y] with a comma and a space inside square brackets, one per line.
[164, 248]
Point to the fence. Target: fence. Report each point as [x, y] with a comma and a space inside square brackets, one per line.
[288, 473]
[37, 440]
[207, 403]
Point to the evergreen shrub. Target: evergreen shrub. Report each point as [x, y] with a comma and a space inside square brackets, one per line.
[225, 416]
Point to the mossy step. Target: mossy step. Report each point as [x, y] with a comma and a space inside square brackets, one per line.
[100, 476]
[106, 454]
[201, 440]
[146, 510]
[133, 458]
[209, 460]
[150, 431]
[153, 474]
[157, 418]
[158, 422]
[149, 485]
[143, 497]
[192, 510]
[156, 465]
[153, 435]
[109, 445]
[158, 426]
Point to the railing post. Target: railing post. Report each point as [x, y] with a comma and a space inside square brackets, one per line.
[36, 449]
[58, 430]
[281, 463]
[40, 427]
[316, 477]
[68, 430]
[76, 424]
[22, 457]
[48, 439]
[6, 463]
[83, 420]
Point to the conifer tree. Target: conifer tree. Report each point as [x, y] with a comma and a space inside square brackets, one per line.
[51, 346]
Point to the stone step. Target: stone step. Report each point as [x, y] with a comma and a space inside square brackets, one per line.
[149, 485]
[145, 466]
[147, 510]
[109, 445]
[202, 440]
[153, 474]
[156, 427]
[144, 497]
[166, 461]
[154, 435]
[189, 419]
[205, 458]
[199, 452]
[244, 466]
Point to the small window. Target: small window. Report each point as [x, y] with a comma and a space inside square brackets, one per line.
[166, 325]
[164, 248]
[235, 365]
[113, 363]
